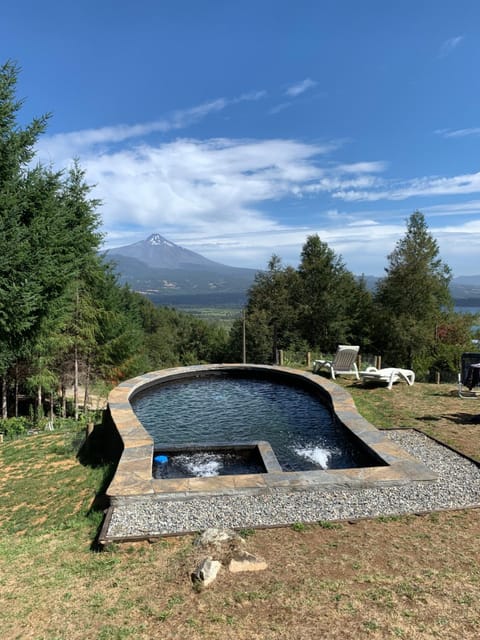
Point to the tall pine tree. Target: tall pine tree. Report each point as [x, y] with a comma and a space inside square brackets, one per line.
[413, 297]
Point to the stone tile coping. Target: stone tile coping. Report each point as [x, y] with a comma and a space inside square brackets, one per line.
[134, 480]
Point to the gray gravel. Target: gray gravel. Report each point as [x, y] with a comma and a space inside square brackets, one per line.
[458, 486]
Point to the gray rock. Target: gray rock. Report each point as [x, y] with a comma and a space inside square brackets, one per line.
[206, 572]
[217, 538]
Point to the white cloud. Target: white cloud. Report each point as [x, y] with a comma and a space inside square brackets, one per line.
[363, 167]
[300, 87]
[196, 184]
[426, 186]
[458, 133]
[357, 243]
[280, 107]
[214, 195]
[61, 148]
[292, 92]
[449, 45]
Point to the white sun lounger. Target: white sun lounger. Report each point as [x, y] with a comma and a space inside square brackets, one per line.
[389, 375]
[342, 364]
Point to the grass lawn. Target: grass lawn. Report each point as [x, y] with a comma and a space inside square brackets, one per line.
[405, 577]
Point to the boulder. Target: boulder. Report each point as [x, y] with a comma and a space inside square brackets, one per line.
[244, 561]
[206, 572]
[219, 538]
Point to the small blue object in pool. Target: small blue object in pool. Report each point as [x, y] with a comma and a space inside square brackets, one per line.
[160, 459]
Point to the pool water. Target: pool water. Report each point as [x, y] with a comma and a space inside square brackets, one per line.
[205, 464]
[300, 428]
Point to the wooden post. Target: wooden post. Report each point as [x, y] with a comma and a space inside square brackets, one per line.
[244, 340]
[437, 377]
[280, 357]
[309, 359]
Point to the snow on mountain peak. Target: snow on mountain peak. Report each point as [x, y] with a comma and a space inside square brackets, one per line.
[157, 240]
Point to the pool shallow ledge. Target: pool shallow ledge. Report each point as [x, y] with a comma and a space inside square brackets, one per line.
[133, 478]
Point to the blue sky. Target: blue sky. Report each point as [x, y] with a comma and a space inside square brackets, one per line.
[236, 129]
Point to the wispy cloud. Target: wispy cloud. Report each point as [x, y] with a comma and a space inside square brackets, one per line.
[450, 45]
[280, 107]
[292, 92]
[300, 87]
[426, 186]
[469, 208]
[458, 133]
[196, 184]
[64, 146]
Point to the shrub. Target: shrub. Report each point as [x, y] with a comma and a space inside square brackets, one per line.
[12, 427]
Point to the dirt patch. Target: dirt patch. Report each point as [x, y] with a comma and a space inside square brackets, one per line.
[409, 577]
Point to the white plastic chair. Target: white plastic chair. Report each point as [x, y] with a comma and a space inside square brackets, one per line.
[342, 364]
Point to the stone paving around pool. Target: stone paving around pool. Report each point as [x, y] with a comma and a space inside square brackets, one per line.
[134, 481]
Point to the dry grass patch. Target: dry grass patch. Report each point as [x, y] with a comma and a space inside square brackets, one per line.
[410, 577]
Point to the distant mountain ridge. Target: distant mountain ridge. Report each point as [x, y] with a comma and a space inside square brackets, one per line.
[465, 290]
[169, 274]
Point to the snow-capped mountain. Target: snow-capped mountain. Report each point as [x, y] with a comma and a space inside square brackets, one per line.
[163, 269]
[159, 253]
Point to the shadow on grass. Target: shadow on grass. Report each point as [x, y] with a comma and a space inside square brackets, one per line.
[428, 418]
[456, 418]
[464, 418]
[97, 452]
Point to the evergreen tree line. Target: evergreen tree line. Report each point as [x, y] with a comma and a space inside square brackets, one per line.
[408, 319]
[64, 320]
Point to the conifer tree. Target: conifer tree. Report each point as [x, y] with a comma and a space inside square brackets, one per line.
[413, 296]
[20, 295]
[47, 232]
[329, 293]
[272, 312]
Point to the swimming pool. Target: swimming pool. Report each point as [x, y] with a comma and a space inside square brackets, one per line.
[236, 407]
[134, 447]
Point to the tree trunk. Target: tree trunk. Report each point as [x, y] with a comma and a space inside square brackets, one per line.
[4, 398]
[64, 401]
[39, 402]
[16, 391]
[75, 376]
[87, 382]
[75, 384]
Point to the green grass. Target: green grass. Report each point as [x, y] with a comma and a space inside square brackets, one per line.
[44, 487]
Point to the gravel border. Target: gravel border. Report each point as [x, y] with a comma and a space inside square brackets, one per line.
[457, 487]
